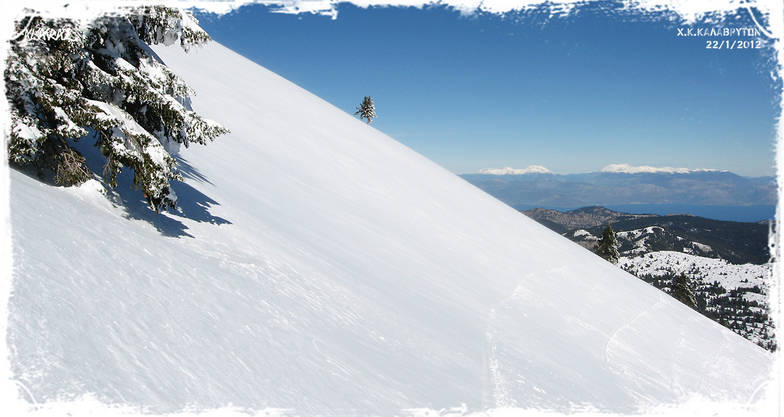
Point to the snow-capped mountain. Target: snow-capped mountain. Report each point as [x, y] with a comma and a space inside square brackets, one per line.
[321, 268]
[616, 168]
[533, 169]
[628, 169]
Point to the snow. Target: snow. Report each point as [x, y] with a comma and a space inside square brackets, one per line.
[637, 233]
[628, 169]
[533, 169]
[699, 246]
[318, 267]
[583, 232]
[729, 275]
[27, 132]
[113, 112]
[640, 238]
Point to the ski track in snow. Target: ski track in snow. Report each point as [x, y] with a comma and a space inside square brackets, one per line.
[612, 341]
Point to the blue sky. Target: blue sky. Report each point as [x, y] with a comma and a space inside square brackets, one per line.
[600, 86]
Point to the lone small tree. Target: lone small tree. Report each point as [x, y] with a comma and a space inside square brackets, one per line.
[608, 246]
[366, 110]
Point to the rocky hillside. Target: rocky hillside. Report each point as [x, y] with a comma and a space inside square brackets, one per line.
[736, 242]
[583, 218]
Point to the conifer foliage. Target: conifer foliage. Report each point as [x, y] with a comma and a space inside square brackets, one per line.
[608, 246]
[683, 291]
[68, 80]
[366, 110]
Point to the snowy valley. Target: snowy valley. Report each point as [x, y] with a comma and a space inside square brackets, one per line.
[737, 296]
[317, 267]
[727, 263]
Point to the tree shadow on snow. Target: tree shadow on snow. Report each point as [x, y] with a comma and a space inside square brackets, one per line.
[195, 205]
[136, 208]
[189, 171]
[191, 204]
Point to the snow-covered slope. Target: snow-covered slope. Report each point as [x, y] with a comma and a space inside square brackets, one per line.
[321, 267]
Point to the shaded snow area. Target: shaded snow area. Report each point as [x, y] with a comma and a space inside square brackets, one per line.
[318, 267]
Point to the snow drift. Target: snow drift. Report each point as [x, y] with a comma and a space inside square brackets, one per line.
[321, 267]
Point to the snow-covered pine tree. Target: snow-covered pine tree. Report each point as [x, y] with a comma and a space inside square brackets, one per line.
[366, 110]
[67, 80]
[683, 291]
[608, 246]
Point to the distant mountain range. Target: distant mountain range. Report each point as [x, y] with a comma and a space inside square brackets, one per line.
[623, 184]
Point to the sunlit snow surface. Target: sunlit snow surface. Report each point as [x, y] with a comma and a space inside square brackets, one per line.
[321, 268]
